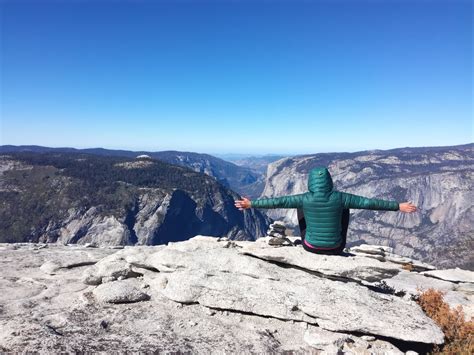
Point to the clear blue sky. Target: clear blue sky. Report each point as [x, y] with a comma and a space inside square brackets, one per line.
[237, 76]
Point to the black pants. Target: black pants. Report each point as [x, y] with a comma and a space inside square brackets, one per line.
[340, 248]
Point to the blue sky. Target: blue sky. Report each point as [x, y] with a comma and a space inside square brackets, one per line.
[237, 76]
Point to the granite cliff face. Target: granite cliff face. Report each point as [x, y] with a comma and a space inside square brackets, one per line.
[238, 178]
[215, 295]
[438, 180]
[77, 198]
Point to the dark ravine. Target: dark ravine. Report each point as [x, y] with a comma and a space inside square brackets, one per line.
[437, 179]
[81, 198]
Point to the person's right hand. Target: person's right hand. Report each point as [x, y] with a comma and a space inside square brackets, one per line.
[243, 204]
[407, 207]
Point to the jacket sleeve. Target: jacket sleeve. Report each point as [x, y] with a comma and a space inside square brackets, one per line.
[359, 202]
[292, 201]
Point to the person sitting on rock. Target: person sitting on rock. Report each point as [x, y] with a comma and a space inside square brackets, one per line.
[326, 211]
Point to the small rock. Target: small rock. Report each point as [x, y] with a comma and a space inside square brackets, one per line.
[125, 291]
[108, 279]
[107, 270]
[227, 244]
[321, 339]
[371, 249]
[279, 242]
[276, 235]
[411, 352]
[209, 311]
[373, 256]
[278, 223]
[52, 330]
[50, 267]
[368, 337]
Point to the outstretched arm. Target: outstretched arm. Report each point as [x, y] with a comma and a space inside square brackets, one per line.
[293, 201]
[359, 202]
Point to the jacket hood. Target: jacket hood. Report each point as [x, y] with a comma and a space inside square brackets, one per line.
[320, 180]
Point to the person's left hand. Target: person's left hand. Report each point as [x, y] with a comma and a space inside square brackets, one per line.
[243, 204]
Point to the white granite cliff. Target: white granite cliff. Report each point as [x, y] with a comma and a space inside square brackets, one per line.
[439, 181]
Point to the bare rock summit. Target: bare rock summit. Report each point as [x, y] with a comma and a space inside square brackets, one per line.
[211, 294]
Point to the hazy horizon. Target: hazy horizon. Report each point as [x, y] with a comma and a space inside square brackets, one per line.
[235, 155]
[247, 77]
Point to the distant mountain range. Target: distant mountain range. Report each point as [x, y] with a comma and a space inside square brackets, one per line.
[257, 163]
[73, 197]
[239, 178]
[439, 180]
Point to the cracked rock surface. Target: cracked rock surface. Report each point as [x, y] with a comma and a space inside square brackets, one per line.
[208, 294]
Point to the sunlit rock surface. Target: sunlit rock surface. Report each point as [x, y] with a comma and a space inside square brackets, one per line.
[211, 294]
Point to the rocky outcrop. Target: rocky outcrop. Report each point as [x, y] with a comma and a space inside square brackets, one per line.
[438, 180]
[122, 204]
[198, 294]
[344, 268]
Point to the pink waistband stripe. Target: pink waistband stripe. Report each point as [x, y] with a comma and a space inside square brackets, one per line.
[317, 248]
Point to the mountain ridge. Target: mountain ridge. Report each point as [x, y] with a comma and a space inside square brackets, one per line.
[238, 178]
[438, 181]
[77, 197]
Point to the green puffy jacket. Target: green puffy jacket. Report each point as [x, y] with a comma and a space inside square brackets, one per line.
[322, 207]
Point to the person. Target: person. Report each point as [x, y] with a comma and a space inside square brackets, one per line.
[326, 211]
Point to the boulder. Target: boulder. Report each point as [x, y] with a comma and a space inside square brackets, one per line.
[123, 291]
[107, 271]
